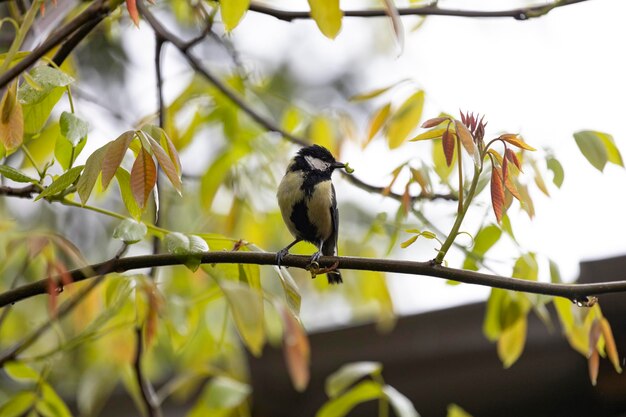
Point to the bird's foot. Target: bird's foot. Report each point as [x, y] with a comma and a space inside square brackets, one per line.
[280, 255]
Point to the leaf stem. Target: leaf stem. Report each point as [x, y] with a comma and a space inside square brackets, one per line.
[460, 161]
[460, 216]
[32, 161]
[21, 35]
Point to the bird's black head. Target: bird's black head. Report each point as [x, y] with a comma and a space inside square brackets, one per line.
[315, 158]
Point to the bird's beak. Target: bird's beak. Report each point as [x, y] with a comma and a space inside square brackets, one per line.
[339, 165]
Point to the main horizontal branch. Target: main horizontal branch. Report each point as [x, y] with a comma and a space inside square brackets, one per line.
[521, 13]
[575, 292]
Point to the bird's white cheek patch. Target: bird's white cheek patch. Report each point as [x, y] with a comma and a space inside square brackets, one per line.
[316, 163]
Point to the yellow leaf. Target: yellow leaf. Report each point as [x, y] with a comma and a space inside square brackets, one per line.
[322, 133]
[511, 342]
[405, 119]
[611, 348]
[327, 15]
[516, 141]
[379, 118]
[233, 11]
[12, 120]
[430, 134]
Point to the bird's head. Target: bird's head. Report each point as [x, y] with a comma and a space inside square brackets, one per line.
[315, 158]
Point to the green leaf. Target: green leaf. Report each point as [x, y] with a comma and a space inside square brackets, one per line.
[123, 179]
[441, 167]
[456, 411]
[405, 120]
[189, 248]
[18, 404]
[166, 143]
[492, 326]
[555, 166]
[593, 148]
[73, 128]
[484, 240]
[114, 155]
[61, 183]
[65, 152]
[340, 406]
[375, 93]
[48, 79]
[36, 115]
[555, 273]
[409, 242]
[511, 342]
[327, 16]
[130, 231]
[613, 154]
[348, 374]
[19, 371]
[221, 395]
[51, 405]
[166, 164]
[402, 406]
[232, 12]
[15, 175]
[88, 179]
[247, 310]
[526, 267]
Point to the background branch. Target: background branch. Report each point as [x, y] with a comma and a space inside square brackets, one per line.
[522, 13]
[96, 9]
[575, 292]
[146, 389]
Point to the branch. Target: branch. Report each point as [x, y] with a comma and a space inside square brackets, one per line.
[96, 9]
[262, 120]
[577, 292]
[24, 192]
[146, 389]
[522, 13]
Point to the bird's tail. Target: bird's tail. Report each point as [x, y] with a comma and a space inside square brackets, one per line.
[329, 248]
[334, 277]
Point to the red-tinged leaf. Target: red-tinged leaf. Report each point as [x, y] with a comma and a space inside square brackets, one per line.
[172, 152]
[114, 155]
[297, 351]
[421, 178]
[505, 170]
[516, 141]
[463, 118]
[154, 305]
[396, 22]
[594, 366]
[508, 184]
[609, 344]
[447, 142]
[166, 165]
[406, 199]
[497, 193]
[434, 122]
[512, 157]
[394, 177]
[142, 177]
[63, 273]
[594, 335]
[53, 293]
[131, 5]
[466, 137]
[11, 119]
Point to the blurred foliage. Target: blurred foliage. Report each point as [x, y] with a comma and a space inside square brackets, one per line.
[206, 179]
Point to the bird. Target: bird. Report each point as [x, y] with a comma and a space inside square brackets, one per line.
[308, 203]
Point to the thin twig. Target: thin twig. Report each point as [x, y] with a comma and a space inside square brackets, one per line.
[429, 268]
[23, 192]
[97, 8]
[522, 13]
[146, 389]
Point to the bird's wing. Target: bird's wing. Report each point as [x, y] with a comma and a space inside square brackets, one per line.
[330, 245]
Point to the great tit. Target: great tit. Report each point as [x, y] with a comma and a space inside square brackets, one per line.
[308, 203]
